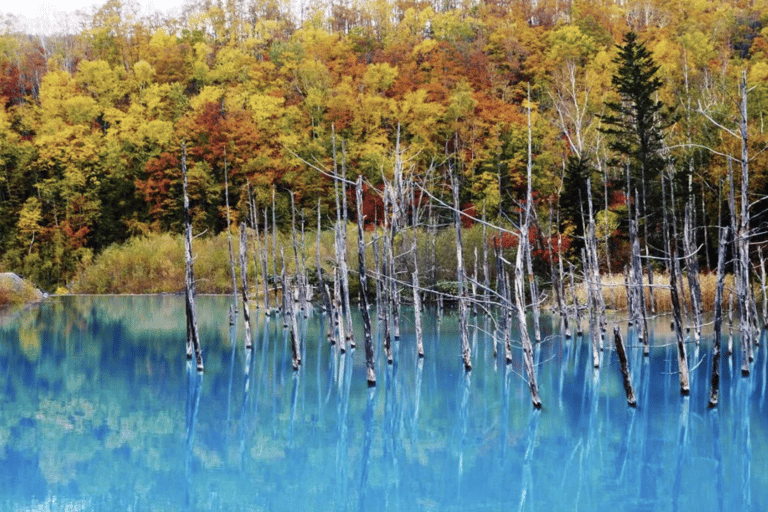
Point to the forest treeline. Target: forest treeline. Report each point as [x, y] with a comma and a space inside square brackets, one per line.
[93, 121]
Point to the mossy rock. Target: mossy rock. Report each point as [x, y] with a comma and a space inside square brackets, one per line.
[15, 291]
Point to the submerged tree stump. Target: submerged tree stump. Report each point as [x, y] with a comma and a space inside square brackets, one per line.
[624, 367]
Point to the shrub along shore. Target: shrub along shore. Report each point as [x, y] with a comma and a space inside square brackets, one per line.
[155, 264]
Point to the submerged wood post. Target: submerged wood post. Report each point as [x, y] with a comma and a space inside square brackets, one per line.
[370, 362]
[715, 382]
[244, 285]
[631, 401]
[193, 336]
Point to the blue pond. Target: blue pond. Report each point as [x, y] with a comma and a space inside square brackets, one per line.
[99, 410]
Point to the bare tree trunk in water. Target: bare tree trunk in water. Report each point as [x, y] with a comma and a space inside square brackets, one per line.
[343, 251]
[255, 239]
[417, 297]
[338, 286]
[530, 370]
[193, 335]
[682, 358]
[463, 309]
[229, 237]
[295, 339]
[624, 367]
[321, 283]
[763, 286]
[244, 283]
[743, 287]
[265, 265]
[715, 383]
[370, 362]
[692, 266]
[274, 247]
[528, 218]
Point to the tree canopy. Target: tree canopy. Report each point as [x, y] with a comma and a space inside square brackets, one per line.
[92, 120]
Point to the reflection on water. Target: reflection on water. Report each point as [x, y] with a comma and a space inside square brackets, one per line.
[99, 410]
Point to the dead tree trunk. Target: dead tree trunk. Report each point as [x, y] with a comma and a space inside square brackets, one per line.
[244, 285]
[692, 267]
[637, 280]
[575, 298]
[256, 240]
[386, 286]
[503, 286]
[294, 326]
[417, 297]
[715, 383]
[229, 238]
[463, 309]
[528, 218]
[525, 340]
[340, 270]
[624, 367]
[321, 282]
[370, 362]
[193, 335]
[763, 286]
[274, 247]
[742, 238]
[265, 267]
[674, 272]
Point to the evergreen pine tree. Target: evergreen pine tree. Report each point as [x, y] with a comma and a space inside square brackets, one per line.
[637, 121]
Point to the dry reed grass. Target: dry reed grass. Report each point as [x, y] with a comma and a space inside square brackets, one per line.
[615, 292]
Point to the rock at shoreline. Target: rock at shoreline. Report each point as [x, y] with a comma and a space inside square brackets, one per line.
[15, 290]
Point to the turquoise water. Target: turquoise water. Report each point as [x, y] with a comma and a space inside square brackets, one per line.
[100, 411]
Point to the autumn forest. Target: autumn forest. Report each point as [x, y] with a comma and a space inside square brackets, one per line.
[93, 121]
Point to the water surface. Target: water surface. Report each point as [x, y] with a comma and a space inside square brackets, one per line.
[99, 410]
